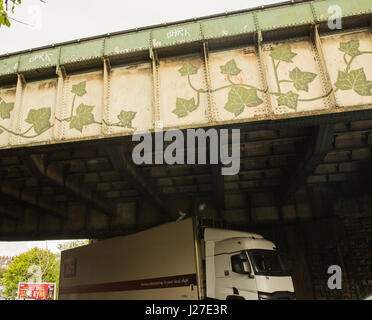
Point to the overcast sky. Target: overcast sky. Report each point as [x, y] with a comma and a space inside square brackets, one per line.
[16, 248]
[57, 21]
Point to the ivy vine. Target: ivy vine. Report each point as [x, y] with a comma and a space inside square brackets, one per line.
[353, 79]
[243, 95]
[240, 94]
[84, 113]
[39, 119]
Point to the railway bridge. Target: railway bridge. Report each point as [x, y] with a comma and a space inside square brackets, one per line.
[300, 93]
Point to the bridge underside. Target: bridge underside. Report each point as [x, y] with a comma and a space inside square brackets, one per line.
[289, 173]
[306, 186]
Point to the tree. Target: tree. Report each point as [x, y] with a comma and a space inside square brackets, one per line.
[35, 264]
[6, 7]
[72, 244]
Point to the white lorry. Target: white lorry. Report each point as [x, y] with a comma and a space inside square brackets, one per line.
[176, 260]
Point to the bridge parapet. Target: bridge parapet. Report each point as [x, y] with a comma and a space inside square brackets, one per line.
[265, 64]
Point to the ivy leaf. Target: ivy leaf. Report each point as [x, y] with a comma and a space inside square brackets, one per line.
[84, 116]
[355, 79]
[283, 52]
[79, 89]
[188, 69]
[351, 48]
[5, 109]
[39, 118]
[126, 118]
[239, 97]
[184, 106]
[289, 99]
[301, 79]
[343, 81]
[230, 68]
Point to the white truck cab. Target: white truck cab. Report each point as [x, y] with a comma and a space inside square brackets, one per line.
[242, 265]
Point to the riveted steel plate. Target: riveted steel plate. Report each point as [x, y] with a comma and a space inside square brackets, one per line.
[39, 59]
[127, 43]
[285, 17]
[176, 35]
[9, 65]
[83, 106]
[130, 101]
[294, 77]
[348, 59]
[180, 105]
[327, 9]
[230, 85]
[37, 111]
[229, 26]
[82, 51]
[7, 100]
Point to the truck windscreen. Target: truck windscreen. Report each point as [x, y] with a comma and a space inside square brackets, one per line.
[268, 262]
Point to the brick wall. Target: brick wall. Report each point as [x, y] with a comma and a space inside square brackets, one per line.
[344, 238]
[356, 245]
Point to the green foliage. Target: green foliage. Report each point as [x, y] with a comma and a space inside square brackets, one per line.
[5, 109]
[6, 7]
[230, 68]
[188, 69]
[183, 107]
[126, 117]
[301, 79]
[283, 52]
[39, 118]
[18, 270]
[83, 117]
[289, 99]
[351, 48]
[79, 89]
[356, 80]
[72, 244]
[239, 97]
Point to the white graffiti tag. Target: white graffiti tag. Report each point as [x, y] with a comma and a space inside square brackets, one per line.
[178, 32]
[45, 57]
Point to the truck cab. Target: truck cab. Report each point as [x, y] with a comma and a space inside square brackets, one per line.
[244, 266]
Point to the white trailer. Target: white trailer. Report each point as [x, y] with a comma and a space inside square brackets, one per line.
[177, 260]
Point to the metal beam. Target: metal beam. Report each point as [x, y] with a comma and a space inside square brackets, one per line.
[36, 164]
[313, 155]
[128, 171]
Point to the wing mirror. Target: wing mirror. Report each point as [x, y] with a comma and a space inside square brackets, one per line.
[246, 266]
[240, 264]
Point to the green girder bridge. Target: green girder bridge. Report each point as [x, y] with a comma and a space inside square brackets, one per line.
[300, 92]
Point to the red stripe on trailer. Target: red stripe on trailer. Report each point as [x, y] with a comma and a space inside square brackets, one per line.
[143, 284]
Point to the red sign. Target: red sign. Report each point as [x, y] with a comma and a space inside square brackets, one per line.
[36, 291]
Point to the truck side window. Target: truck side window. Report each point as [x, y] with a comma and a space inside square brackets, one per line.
[236, 263]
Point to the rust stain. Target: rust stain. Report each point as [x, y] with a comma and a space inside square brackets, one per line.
[47, 85]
